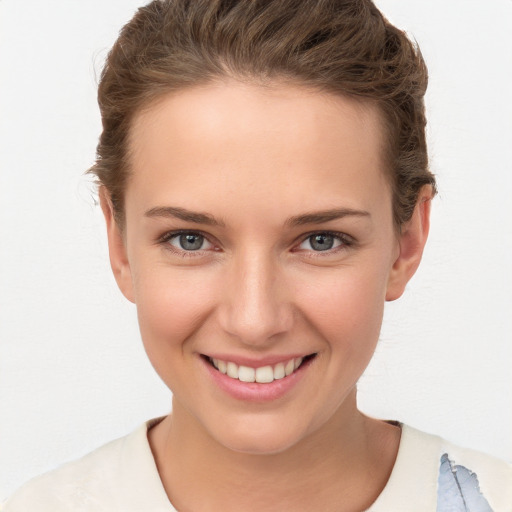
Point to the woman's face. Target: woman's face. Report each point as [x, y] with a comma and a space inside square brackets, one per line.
[258, 232]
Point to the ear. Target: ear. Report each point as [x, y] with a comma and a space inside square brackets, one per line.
[116, 247]
[412, 241]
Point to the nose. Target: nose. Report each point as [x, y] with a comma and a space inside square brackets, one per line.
[256, 308]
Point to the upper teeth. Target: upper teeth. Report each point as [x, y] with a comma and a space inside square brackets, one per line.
[263, 374]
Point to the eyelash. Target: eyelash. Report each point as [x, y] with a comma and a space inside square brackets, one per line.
[346, 241]
[167, 237]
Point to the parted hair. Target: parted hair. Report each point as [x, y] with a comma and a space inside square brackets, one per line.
[344, 47]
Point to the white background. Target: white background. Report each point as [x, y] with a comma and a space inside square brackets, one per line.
[73, 373]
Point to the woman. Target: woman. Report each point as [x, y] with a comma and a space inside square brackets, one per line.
[264, 179]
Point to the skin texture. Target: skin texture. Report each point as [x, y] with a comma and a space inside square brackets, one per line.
[253, 157]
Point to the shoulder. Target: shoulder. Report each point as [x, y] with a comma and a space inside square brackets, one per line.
[78, 484]
[96, 482]
[473, 478]
[431, 473]
[464, 477]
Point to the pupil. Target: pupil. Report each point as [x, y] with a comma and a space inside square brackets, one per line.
[191, 242]
[322, 242]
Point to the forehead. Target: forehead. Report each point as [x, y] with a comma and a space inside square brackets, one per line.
[243, 139]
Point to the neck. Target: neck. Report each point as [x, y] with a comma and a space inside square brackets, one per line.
[347, 463]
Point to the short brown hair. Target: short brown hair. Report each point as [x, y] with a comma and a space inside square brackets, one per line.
[344, 47]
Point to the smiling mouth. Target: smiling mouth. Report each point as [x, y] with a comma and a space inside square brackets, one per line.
[263, 374]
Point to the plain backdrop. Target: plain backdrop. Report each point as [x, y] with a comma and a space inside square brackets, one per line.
[73, 373]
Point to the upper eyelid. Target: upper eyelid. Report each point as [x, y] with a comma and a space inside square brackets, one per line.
[338, 234]
[168, 235]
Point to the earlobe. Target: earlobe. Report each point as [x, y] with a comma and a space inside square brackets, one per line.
[412, 241]
[116, 247]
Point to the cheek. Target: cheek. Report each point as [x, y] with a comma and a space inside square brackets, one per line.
[171, 305]
[346, 307]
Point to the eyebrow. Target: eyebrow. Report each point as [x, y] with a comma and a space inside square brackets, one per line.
[184, 214]
[325, 216]
[298, 220]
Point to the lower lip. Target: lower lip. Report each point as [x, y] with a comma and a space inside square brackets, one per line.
[254, 391]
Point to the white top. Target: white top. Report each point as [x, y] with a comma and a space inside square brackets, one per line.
[122, 476]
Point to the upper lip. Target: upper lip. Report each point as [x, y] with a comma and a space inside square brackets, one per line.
[252, 362]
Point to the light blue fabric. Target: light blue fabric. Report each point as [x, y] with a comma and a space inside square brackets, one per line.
[458, 489]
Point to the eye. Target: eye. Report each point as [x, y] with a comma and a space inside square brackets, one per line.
[319, 242]
[189, 241]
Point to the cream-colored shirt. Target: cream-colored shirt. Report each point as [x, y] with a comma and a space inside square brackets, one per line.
[122, 476]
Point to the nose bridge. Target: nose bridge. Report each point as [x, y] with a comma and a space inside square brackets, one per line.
[256, 308]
